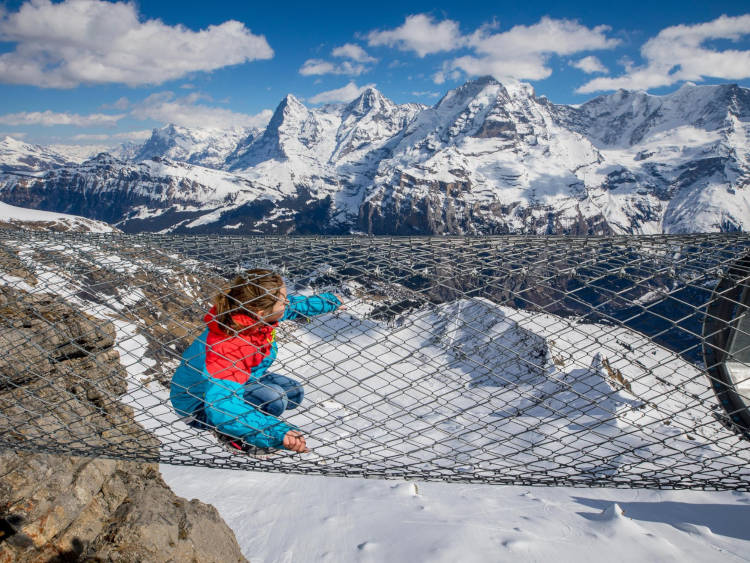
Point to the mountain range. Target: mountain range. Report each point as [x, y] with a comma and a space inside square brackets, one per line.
[488, 158]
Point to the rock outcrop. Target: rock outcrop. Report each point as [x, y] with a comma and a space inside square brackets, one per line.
[60, 379]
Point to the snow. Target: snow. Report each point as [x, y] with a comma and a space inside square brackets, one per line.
[27, 158]
[281, 517]
[204, 147]
[314, 518]
[80, 153]
[13, 214]
[295, 518]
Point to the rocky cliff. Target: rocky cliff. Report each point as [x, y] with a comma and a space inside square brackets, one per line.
[60, 379]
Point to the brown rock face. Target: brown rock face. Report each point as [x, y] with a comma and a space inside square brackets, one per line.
[60, 380]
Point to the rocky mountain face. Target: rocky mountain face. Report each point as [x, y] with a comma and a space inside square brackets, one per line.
[63, 387]
[60, 508]
[487, 158]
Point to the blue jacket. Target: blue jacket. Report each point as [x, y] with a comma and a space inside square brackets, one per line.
[216, 399]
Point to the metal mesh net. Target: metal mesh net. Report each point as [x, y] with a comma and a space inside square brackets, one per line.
[612, 361]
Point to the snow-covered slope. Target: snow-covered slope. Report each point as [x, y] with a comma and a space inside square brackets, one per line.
[81, 153]
[20, 218]
[209, 148]
[308, 519]
[487, 158]
[23, 158]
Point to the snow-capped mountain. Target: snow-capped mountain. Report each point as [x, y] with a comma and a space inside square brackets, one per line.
[490, 158]
[24, 158]
[487, 158]
[209, 148]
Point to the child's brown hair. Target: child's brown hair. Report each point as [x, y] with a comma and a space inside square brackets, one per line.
[255, 290]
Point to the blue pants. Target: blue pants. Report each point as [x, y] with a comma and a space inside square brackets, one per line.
[271, 394]
[274, 393]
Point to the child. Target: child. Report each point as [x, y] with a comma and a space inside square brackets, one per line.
[222, 382]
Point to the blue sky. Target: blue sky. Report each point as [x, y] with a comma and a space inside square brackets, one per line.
[93, 71]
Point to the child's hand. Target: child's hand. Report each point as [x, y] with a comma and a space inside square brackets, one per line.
[341, 299]
[294, 441]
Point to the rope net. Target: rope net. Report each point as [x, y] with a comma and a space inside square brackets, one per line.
[612, 361]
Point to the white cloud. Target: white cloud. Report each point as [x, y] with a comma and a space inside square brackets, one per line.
[345, 94]
[50, 118]
[519, 53]
[678, 54]
[419, 33]
[522, 52]
[140, 135]
[427, 94]
[166, 108]
[313, 67]
[589, 65]
[122, 103]
[445, 74]
[74, 42]
[353, 52]
[14, 135]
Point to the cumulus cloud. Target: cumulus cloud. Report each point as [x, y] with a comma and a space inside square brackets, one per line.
[519, 53]
[345, 94]
[50, 118]
[122, 103]
[13, 134]
[312, 67]
[421, 34]
[359, 59]
[523, 51]
[165, 107]
[589, 65]
[140, 135]
[353, 52]
[62, 45]
[679, 54]
[445, 74]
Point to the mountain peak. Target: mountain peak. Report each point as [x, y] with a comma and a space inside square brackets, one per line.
[485, 80]
[13, 142]
[370, 98]
[468, 91]
[290, 100]
[289, 107]
[520, 89]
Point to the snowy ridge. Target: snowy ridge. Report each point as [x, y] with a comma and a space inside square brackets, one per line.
[487, 158]
[19, 157]
[20, 218]
[209, 148]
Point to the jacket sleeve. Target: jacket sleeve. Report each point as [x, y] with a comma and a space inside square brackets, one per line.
[310, 306]
[232, 415]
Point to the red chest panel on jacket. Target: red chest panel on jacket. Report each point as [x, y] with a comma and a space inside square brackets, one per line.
[233, 357]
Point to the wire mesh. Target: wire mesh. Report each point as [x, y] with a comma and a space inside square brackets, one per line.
[593, 361]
